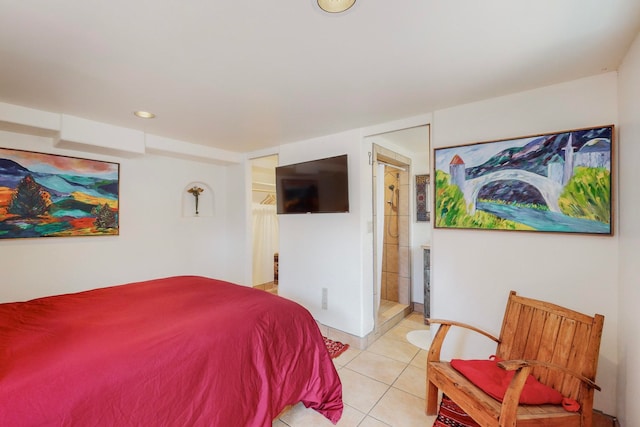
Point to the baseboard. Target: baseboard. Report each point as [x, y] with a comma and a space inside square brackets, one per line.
[601, 419]
[361, 343]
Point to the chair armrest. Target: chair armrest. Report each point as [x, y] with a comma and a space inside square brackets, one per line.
[513, 365]
[511, 400]
[445, 325]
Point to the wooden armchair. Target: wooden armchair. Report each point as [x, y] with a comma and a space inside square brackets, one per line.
[556, 345]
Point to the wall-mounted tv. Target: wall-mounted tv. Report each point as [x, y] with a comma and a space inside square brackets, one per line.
[317, 186]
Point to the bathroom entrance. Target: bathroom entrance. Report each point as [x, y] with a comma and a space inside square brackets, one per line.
[392, 273]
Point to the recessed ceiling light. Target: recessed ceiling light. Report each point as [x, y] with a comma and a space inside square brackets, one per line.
[335, 6]
[144, 114]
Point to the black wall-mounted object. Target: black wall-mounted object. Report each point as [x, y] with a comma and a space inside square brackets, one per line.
[316, 186]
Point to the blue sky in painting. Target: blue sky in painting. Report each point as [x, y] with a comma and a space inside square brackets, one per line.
[46, 164]
[476, 154]
[44, 168]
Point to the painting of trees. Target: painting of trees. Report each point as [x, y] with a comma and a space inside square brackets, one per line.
[49, 195]
[30, 200]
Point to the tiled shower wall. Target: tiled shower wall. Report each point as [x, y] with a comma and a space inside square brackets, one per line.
[395, 258]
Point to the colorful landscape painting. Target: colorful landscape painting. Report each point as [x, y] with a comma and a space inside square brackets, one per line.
[558, 182]
[46, 195]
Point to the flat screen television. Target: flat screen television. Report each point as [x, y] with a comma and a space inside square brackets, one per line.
[317, 186]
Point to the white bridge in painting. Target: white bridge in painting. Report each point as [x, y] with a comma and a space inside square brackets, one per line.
[549, 189]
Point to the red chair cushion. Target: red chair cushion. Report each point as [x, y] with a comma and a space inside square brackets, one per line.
[493, 380]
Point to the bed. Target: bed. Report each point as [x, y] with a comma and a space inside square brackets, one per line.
[177, 351]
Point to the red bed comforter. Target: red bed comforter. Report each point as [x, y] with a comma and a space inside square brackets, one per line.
[180, 351]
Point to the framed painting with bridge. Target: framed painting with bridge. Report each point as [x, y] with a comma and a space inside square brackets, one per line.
[555, 182]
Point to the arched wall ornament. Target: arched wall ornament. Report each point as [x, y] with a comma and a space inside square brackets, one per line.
[197, 200]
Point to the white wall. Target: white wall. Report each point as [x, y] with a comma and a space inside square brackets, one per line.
[473, 271]
[323, 250]
[155, 238]
[629, 196]
[235, 240]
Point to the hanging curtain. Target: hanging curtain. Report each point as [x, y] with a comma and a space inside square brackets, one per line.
[265, 242]
[379, 211]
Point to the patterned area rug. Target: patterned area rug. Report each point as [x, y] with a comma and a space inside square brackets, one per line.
[450, 415]
[335, 348]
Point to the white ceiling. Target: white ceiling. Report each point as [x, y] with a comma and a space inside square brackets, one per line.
[246, 75]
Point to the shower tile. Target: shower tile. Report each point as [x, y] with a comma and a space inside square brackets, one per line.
[403, 226]
[392, 286]
[403, 262]
[392, 258]
[403, 290]
[390, 226]
[403, 203]
[384, 257]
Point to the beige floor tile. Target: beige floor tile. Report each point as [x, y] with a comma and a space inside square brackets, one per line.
[399, 333]
[372, 422]
[367, 375]
[350, 417]
[412, 380]
[346, 357]
[299, 416]
[400, 351]
[360, 391]
[378, 367]
[414, 321]
[420, 360]
[401, 409]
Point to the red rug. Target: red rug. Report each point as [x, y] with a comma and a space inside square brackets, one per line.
[335, 348]
[450, 415]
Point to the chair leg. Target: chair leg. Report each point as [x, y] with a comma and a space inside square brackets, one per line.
[432, 399]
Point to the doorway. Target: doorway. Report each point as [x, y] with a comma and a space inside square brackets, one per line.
[392, 272]
[264, 224]
[404, 155]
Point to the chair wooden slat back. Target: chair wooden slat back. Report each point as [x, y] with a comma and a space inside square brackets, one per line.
[538, 330]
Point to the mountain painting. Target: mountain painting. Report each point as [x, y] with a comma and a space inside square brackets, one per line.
[46, 195]
[558, 182]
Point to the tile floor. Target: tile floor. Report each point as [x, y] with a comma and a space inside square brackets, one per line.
[383, 385]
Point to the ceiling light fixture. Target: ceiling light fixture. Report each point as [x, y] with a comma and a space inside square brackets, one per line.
[144, 114]
[335, 6]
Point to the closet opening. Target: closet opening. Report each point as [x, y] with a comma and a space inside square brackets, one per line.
[264, 223]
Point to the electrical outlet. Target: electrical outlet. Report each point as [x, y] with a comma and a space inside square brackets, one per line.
[325, 298]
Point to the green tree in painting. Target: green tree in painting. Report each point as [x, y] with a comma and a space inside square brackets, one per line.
[30, 199]
[588, 195]
[450, 207]
[105, 217]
